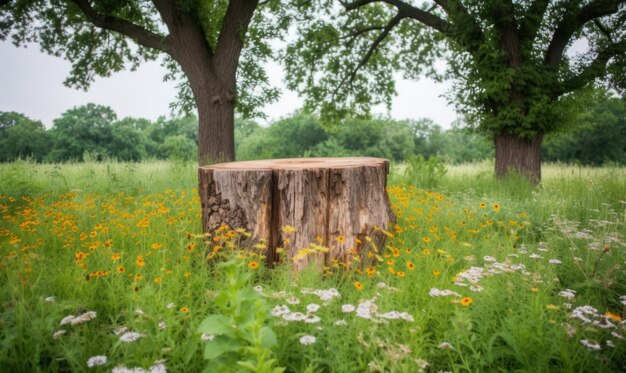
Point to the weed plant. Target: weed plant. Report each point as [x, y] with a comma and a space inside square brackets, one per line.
[103, 267]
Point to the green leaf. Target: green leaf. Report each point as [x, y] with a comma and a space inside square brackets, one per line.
[218, 325]
[268, 337]
[219, 346]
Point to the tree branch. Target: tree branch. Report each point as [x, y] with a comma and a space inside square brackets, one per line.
[574, 21]
[139, 34]
[381, 37]
[594, 70]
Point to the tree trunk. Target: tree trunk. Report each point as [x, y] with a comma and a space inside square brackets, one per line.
[216, 121]
[339, 203]
[519, 155]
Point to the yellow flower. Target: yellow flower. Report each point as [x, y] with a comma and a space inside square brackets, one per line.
[184, 309]
[156, 245]
[613, 316]
[482, 205]
[253, 265]
[191, 246]
[187, 274]
[115, 256]
[400, 274]
[426, 239]
[140, 261]
[121, 269]
[288, 229]
[436, 272]
[358, 285]
[341, 239]
[157, 280]
[534, 289]
[496, 207]
[552, 307]
[466, 301]
[425, 251]
[410, 265]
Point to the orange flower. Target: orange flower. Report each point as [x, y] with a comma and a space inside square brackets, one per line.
[400, 274]
[436, 272]
[613, 316]
[358, 285]
[157, 245]
[121, 269]
[496, 207]
[184, 309]
[157, 280]
[341, 239]
[466, 301]
[410, 265]
[115, 256]
[140, 261]
[253, 265]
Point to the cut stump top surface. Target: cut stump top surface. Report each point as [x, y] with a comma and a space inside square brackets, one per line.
[299, 163]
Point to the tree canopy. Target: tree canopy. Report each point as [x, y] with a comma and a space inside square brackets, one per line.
[513, 64]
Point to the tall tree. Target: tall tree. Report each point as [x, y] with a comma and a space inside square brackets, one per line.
[514, 76]
[202, 41]
[22, 137]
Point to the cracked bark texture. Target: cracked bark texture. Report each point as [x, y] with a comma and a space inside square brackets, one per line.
[336, 202]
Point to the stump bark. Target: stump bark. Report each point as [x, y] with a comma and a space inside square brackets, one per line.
[334, 202]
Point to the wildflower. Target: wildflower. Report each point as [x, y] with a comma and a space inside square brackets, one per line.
[552, 307]
[410, 265]
[96, 361]
[426, 239]
[140, 262]
[170, 305]
[400, 274]
[341, 239]
[613, 316]
[554, 261]
[482, 205]
[207, 337]
[534, 289]
[58, 333]
[348, 308]
[590, 344]
[358, 285]
[50, 300]
[312, 307]
[307, 340]
[129, 337]
[434, 292]
[293, 300]
[120, 330]
[288, 229]
[341, 322]
[253, 265]
[436, 272]
[311, 319]
[121, 269]
[425, 251]
[489, 258]
[496, 207]
[445, 346]
[162, 325]
[568, 293]
[535, 256]
[157, 280]
[156, 245]
[293, 316]
[184, 309]
[466, 301]
[258, 288]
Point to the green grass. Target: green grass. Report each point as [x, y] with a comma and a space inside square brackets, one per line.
[125, 241]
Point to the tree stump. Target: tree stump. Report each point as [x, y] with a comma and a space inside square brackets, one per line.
[340, 203]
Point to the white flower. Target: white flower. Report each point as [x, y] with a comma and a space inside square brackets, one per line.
[50, 300]
[58, 333]
[622, 300]
[609, 343]
[445, 345]
[434, 292]
[617, 335]
[293, 300]
[381, 285]
[307, 340]
[162, 325]
[311, 319]
[535, 256]
[170, 305]
[312, 307]
[67, 319]
[392, 315]
[139, 311]
[348, 308]
[87, 316]
[407, 317]
[94, 361]
[568, 293]
[592, 345]
[554, 261]
[258, 288]
[489, 258]
[294, 316]
[207, 337]
[131, 337]
[476, 288]
[120, 330]
[280, 310]
[341, 322]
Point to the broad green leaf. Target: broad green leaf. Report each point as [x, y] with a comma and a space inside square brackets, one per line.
[218, 325]
[220, 345]
[268, 337]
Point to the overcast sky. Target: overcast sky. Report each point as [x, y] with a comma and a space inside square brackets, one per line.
[31, 83]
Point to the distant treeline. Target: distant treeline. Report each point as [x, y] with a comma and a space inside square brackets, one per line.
[94, 132]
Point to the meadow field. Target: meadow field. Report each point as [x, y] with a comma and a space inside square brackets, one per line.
[104, 267]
